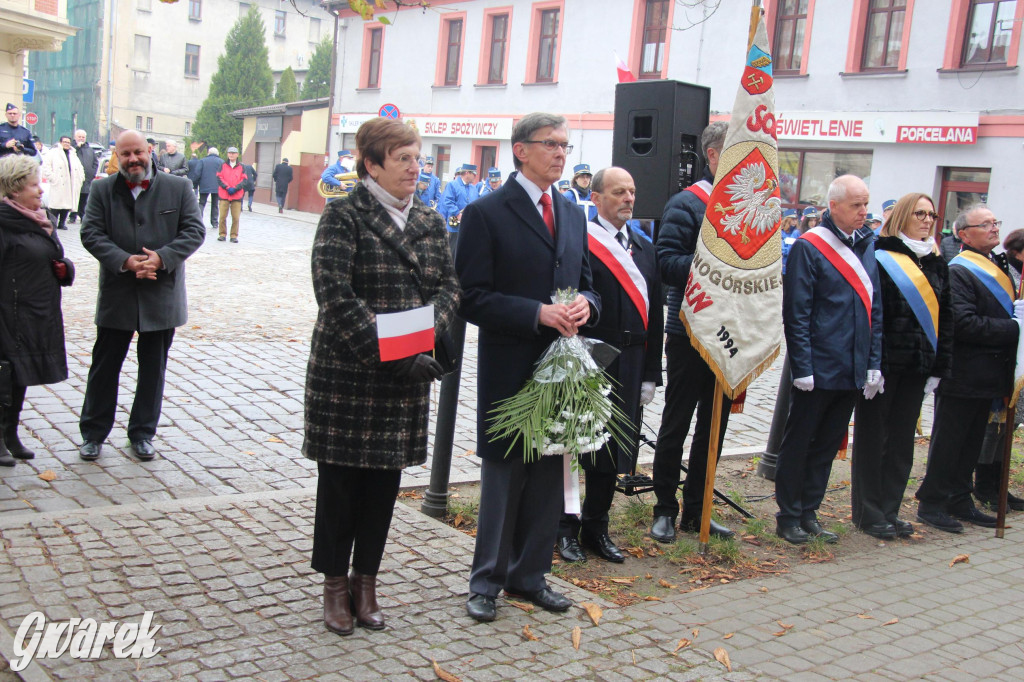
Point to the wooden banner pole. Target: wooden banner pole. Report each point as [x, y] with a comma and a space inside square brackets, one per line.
[1004, 477]
[709, 476]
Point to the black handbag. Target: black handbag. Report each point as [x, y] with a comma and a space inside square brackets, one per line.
[6, 383]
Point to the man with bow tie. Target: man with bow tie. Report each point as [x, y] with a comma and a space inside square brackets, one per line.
[141, 226]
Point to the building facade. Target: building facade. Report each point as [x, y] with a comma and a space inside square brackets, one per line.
[28, 25]
[147, 64]
[910, 95]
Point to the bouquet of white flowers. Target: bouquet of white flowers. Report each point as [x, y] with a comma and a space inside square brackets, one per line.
[565, 408]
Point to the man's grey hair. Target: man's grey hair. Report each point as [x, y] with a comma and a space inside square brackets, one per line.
[81, 131]
[174, 142]
[531, 123]
[713, 137]
[961, 218]
[213, 152]
[839, 187]
[597, 182]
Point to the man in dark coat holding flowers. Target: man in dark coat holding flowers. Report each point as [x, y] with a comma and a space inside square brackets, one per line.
[516, 246]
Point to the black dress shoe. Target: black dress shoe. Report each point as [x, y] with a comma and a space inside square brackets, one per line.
[7, 461]
[815, 530]
[569, 549]
[883, 530]
[546, 598]
[144, 449]
[664, 529]
[716, 529]
[1013, 502]
[904, 529]
[973, 515]
[90, 450]
[603, 547]
[794, 535]
[940, 520]
[481, 608]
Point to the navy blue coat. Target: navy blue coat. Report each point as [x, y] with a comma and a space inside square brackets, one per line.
[508, 265]
[827, 331]
[206, 174]
[984, 339]
[677, 240]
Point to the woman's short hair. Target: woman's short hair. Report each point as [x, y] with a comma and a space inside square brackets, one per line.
[1014, 241]
[15, 172]
[377, 138]
[899, 219]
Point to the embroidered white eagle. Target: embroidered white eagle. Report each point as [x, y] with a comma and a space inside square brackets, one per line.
[753, 206]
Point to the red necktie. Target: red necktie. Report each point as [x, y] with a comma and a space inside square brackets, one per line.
[144, 184]
[549, 216]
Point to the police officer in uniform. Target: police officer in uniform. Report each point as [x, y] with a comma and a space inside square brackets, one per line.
[579, 191]
[14, 137]
[432, 195]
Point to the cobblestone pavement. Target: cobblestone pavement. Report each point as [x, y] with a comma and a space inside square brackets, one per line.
[214, 537]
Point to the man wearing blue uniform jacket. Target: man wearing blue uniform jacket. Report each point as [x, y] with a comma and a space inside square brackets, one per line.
[516, 247]
[832, 310]
[691, 383]
[579, 191]
[492, 182]
[432, 196]
[563, 186]
[422, 186]
[790, 233]
[339, 167]
[14, 137]
[625, 272]
[458, 194]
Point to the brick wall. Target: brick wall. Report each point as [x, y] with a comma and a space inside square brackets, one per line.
[47, 6]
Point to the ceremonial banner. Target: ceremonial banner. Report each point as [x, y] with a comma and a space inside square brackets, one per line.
[732, 303]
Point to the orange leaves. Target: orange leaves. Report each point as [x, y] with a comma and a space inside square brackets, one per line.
[593, 610]
[960, 559]
[577, 635]
[528, 635]
[722, 656]
[48, 476]
[443, 674]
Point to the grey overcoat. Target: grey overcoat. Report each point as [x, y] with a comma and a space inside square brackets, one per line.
[165, 218]
[358, 413]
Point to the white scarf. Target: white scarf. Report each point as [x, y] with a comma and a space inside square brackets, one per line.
[920, 248]
[396, 208]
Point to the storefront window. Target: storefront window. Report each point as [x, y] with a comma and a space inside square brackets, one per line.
[961, 188]
[804, 176]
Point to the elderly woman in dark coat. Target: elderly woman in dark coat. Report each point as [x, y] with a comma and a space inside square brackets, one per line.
[34, 269]
[916, 353]
[377, 250]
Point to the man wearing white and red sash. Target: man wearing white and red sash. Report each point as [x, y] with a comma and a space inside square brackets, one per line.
[691, 383]
[833, 321]
[625, 272]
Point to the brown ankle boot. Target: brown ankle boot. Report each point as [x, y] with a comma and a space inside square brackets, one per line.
[364, 600]
[337, 605]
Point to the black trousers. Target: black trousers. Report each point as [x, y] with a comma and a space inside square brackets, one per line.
[280, 199]
[817, 421]
[883, 448]
[691, 386]
[83, 199]
[957, 433]
[214, 206]
[108, 356]
[599, 489]
[353, 510]
[62, 216]
[516, 525]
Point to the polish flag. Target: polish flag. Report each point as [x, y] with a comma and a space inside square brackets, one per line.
[625, 75]
[407, 333]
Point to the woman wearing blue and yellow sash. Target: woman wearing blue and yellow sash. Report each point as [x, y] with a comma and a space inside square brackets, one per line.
[917, 349]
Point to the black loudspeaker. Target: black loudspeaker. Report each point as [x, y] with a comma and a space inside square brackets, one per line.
[657, 139]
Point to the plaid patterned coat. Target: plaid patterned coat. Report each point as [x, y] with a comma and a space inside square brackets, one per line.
[358, 413]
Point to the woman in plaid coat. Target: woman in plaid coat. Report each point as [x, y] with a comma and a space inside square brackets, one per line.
[378, 250]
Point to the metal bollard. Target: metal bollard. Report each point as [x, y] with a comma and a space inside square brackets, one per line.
[766, 467]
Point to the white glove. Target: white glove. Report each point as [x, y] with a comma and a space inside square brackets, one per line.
[804, 383]
[1018, 309]
[931, 384]
[646, 392]
[875, 384]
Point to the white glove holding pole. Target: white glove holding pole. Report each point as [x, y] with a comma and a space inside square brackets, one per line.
[931, 384]
[646, 392]
[875, 384]
[804, 383]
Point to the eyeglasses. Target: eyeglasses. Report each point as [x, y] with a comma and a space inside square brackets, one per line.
[551, 145]
[988, 224]
[407, 160]
[921, 215]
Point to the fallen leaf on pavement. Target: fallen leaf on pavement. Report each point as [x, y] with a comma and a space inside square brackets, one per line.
[762, 589]
[458, 520]
[783, 625]
[960, 559]
[48, 475]
[722, 656]
[891, 622]
[638, 552]
[666, 584]
[682, 644]
[728, 636]
[443, 674]
[696, 631]
[780, 633]
[577, 635]
[623, 581]
[652, 598]
[274, 439]
[648, 576]
[594, 611]
[527, 635]
[865, 616]
[521, 605]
